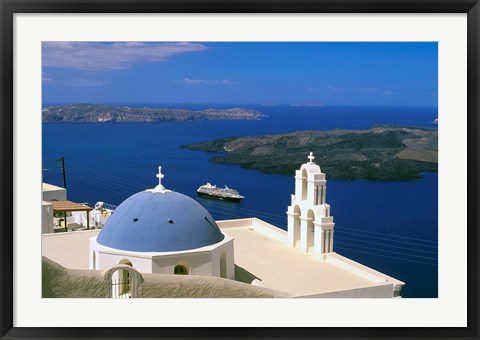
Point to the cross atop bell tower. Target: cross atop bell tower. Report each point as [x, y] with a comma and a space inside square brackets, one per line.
[311, 157]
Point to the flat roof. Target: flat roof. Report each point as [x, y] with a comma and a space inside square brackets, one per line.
[69, 206]
[69, 249]
[263, 253]
[259, 248]
[51, 187]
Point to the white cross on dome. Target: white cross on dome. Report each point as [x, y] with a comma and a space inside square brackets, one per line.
[159, 187]
[160, 176]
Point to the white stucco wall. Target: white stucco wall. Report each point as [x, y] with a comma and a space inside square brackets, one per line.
[380, 291]
[53, 193]
[362, 270]
[204, 261]
[228, 250]
[47, 218]
[197, 263]
[104, 259]
[57, 282]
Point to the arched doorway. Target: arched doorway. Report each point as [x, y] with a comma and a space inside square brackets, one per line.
[296, 225]
[115, 277]
[122, 281]
[304, 184]
[310, 228]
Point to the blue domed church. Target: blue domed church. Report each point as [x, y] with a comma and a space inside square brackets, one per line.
[159, 231]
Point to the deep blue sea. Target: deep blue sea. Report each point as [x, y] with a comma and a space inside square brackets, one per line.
[389, 226]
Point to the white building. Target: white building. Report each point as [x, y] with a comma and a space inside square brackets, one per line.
[163, 232]
[158, 231]
[50, 193]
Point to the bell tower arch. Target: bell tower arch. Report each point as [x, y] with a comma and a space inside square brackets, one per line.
[310, 225]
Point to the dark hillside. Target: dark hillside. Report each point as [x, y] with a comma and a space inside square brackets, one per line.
[380, 153]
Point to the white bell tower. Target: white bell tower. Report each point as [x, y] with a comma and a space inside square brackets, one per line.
[310, 226]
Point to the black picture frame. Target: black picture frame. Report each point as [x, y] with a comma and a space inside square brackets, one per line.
[10, 7]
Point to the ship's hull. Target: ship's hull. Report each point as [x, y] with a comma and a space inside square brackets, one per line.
[218, 196]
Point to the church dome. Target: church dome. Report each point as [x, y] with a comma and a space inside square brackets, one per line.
[159, 221]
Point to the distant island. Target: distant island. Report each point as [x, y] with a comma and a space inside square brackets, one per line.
[102, 113]
[390, 153]
[308, 104]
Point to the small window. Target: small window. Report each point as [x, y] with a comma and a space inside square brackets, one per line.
[180, 270]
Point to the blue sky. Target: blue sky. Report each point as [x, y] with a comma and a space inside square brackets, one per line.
[392, 74]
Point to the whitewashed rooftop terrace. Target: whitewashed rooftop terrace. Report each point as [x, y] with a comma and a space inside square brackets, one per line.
[262, 250]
